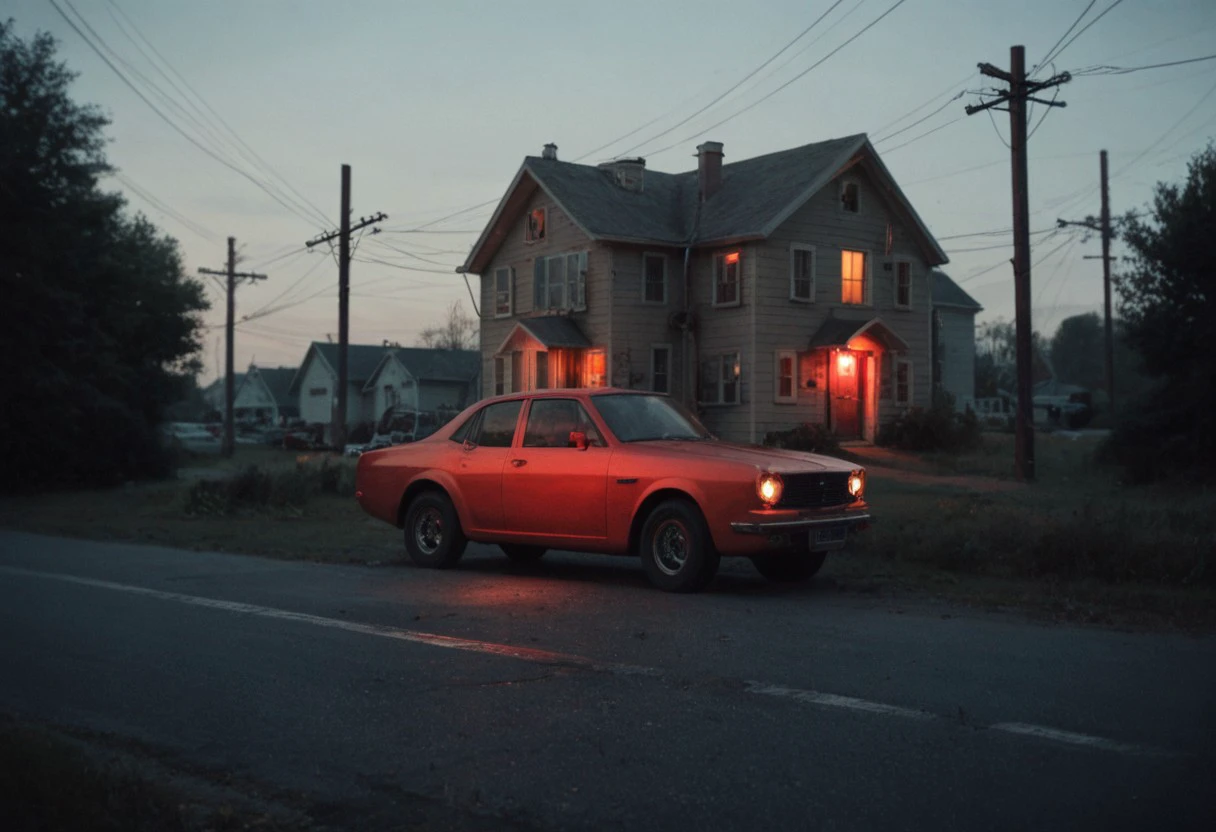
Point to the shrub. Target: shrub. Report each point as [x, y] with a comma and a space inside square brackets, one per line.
[940, 428]
[1158, 439]
[256, 489]
[811, 437]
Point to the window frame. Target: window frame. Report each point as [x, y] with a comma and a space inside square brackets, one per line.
[719, 263]
[814, 255]
[654, 350]
[778, 356]
[719, 361]
[481, 423]
[502, 374]
[529, 228]
[594, 437]
[541, 264]
[510, 292]
[845, 183]
[895, 279]
[867, 281]
[647, 256]
[902, 362]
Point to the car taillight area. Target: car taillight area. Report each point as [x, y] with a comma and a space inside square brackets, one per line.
[816, 490]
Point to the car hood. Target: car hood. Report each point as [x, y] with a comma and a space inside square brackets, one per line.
[780, 460]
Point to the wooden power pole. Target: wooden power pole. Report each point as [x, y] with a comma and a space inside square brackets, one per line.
[1020, 91]
[229, 441]
[338, 420]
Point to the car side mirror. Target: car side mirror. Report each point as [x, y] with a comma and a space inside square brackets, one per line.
[578, 439]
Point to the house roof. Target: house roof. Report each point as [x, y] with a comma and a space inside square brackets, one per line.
[278, 383]
[554, 331]
[440, 365]
[756, 195]
[838, 332]
[361, 361]
[948, 293]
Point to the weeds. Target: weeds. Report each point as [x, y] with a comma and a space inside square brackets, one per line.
[259, 489]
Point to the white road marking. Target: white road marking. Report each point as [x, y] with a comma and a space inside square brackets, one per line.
[529, 654]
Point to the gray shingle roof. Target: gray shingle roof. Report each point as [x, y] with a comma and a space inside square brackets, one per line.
[837, 332]
[440, 365]
[948, 293]
[361, 360]
[278, 382]
[556, 331]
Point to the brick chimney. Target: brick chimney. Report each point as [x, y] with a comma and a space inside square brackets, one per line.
[709, 168]
[550, 152]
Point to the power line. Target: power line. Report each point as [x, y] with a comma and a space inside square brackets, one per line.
[960, 94]
[1056, 53]
[920, 107]
[164, 208]
[1081, 16]
[891, 150]
[769, 95]
[1125, 70]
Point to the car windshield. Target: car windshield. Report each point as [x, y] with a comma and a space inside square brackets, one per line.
[640, 418]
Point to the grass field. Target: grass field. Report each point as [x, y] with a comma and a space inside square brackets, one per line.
[1076, 545]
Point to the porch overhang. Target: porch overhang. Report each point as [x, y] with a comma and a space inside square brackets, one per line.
[551, 331]
[838, 332]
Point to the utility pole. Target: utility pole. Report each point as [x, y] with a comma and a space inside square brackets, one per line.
[338, 420]
[1020, 91]
[1103, 228]
[229, 442]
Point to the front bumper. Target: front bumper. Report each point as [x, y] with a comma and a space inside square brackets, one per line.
[788, 522]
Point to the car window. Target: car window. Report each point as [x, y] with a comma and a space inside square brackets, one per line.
[550, 422]
[636, 417]
[462, 432]
[498, 424]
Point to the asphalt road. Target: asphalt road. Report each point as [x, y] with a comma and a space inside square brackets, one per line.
[571, 695]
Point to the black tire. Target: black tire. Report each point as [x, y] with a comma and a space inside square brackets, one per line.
[676, 549]
[790, 567]
[522, 553]
[433, 537]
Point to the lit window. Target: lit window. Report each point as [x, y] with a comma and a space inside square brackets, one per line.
[786, 390]
[596, 365]
[726, 279]
[535, 229]
[903, 285]
[802, 273]
[503, 292]
[654, 278]
[853, 276]
[903, 382]
[850, 197]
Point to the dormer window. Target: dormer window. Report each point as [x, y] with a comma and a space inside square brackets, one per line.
[850, 197]
[535, 229]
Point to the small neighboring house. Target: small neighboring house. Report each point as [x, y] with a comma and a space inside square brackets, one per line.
[380, 377]
[954, 314]
[787, 288]
[428, 380]
[213, 393]
[265, 396]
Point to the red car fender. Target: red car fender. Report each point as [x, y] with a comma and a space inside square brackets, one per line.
[445, 481]
[688, 487]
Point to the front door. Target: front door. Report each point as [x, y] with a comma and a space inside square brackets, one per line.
[482, 458]
[848, 369]
[550, 487]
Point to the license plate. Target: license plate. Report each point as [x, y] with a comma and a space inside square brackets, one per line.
[832, 534]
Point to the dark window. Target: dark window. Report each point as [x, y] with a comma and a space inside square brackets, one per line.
[850, 197]
[654, 275]
[550, 422]
[903, 285]
[660, 371]
[503, 291]
[498, 424]
[542, 370]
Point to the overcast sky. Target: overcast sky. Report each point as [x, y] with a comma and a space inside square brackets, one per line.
[435, 104]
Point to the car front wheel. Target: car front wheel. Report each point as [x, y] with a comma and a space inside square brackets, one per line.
[677, 552]
[788, 568]
[433, 537]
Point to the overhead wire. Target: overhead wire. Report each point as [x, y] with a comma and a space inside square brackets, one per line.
[1055, 53]
[163, 207]
[1067, 31]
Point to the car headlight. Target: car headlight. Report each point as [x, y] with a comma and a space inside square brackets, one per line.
[857, 483]
[769, 488]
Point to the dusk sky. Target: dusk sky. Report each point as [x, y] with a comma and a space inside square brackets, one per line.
[434, 105]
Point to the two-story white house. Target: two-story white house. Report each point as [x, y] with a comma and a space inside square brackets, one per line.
[788, 288]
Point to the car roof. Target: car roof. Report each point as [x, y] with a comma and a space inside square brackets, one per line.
[565, 393]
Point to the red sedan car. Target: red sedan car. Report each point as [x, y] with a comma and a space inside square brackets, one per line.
[616, 472]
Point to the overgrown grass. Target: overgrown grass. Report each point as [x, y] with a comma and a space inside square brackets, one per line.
[49, 783]
[275, 486]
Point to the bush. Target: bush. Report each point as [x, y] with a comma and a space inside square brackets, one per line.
[940, 428]
[256, 489]
[1158, 439]
[810, 437]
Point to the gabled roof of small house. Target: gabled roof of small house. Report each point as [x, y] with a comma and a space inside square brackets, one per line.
[429, 364]
[755, 197]
[278, 382]
[361, 361]
[948, 293]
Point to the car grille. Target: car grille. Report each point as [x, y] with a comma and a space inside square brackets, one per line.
[815, 490]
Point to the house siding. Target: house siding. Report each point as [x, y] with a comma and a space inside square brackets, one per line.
[392, 375]
[319, 409]
[639, 326]
[562, 235]
[957, 354]
[782, 324]
[722, 330]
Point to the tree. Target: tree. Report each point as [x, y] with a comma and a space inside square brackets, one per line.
[101, 320]
[1078, 351]
[1168, 300]
[996, 358]
[458, 333]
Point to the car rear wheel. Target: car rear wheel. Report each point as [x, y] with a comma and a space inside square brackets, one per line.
[677, 552]
[433, 537]
[789, 567]
[522, 553]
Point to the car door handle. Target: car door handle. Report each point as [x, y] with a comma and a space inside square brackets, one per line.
[519, 463]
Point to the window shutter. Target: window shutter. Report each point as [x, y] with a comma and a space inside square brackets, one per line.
[540, 291]
[511, 292]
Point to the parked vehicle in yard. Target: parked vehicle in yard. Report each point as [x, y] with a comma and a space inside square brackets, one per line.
[616, 472]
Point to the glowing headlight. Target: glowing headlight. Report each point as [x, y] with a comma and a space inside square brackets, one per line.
[769, 487]
[857, 484]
